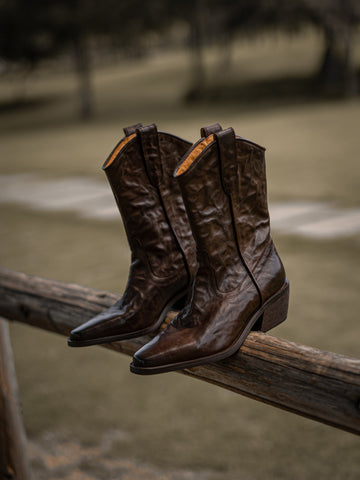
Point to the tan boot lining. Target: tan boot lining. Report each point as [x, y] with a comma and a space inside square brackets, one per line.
[118, 148]
[193, 154]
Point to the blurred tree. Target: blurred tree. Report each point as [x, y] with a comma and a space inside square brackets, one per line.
[336, 19]
[217, 22]
[40, 29]
[203, 25]
[24, 35]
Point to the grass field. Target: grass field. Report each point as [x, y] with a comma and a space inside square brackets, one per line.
[171, 421]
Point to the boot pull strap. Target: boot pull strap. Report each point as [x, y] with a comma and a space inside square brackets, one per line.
[151, 151]
[131, 129]
[227, 156]
[206, 131]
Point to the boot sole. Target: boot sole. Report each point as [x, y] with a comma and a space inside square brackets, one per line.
[172, 304]
[272, 313]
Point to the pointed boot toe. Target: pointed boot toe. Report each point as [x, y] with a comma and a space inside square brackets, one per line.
[148, 361]
[80, 337]
[114, 324]
[154, 356]
[75, 336]
[169, 350]
[148, 358]
[88, 333]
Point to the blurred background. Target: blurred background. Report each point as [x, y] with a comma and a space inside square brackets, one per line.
[72, 75]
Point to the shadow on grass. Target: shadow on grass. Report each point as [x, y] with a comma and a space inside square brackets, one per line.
[27, 103]
[58, 109]
[266, 93]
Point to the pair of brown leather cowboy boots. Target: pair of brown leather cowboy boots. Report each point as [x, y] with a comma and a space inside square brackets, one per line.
[197, 222]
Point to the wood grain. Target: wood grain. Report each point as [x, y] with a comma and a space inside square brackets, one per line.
[319, 385]
[14, 463]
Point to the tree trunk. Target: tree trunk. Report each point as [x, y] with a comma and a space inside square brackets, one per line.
[350, 75]
[337, 73]
[197, 63]
[82, 65]
[225, 53]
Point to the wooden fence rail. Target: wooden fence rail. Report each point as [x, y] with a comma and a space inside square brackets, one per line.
[319, 385]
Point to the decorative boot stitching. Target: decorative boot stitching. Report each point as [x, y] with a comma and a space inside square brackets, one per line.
[230, 172]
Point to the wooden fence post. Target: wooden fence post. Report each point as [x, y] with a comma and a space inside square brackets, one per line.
[14, 463]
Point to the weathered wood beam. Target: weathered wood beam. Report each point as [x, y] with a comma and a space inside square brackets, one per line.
[14, 464]
[319, 385]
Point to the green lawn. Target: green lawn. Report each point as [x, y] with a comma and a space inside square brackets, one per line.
[170, 420]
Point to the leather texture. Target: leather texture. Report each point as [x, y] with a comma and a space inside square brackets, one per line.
[163, 253]
[240, 275]
[206, 131]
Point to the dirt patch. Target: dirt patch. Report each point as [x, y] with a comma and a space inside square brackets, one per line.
[53, 457]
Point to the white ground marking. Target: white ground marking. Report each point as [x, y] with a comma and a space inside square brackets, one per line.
[93, 199]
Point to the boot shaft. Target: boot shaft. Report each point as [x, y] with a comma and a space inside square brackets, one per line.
[139, 171]
[223, 181]
[210, 214]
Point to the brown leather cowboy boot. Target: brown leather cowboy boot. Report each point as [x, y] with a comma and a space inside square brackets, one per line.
[240, 284]
[140, 172]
